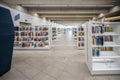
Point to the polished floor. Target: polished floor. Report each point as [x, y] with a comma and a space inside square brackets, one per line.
[62, 62]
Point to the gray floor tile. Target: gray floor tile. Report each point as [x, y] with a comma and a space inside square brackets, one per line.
[27, 69]
[115, 77]
[62, 62]
[88, 78]
[13, 74]
[37, 64]
[53, 71]
[102, 77]
[1, 79]
[68, 76]
[43, 76]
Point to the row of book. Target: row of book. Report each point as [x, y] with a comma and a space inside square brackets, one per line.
[108, 38]
[99, 40]
[108, 28]
[26, 28]
[81, 44]
[41, 34]
[74, 31]
[30, 28]
[31, 44]
[105, 48]
[99, 29]
[80, 38]
[54, 29]
[38, 28]
[26, 34]
[31, 34]
[80, 29]
[41, 39]
[16, 33]
[53, 38]
[31, 38]
[24, 39]
[96, 51]
[81, 33]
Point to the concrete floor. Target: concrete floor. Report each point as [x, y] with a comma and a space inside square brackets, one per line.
[62, 62]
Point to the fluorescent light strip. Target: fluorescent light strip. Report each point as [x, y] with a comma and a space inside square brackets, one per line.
[74, 6]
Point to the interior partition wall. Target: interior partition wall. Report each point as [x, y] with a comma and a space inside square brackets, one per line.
[6, 40]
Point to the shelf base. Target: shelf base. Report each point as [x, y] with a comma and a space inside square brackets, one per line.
[105, 68]
[81, 48]
[31, 48]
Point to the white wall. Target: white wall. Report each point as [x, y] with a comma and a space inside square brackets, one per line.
[35, 20]
[24, 16]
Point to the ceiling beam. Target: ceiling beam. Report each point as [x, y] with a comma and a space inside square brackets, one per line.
[115, 11]
[69, 19]
[68, 16]
[64, 2]
[66, 11]
[112, 18]
[77, 12]
[72, 23]
[65, 6]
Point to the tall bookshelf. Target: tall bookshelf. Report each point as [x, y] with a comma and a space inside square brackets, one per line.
[74, 31]
[54, 33]
[32, 37]
[103, 47]
[81, 37]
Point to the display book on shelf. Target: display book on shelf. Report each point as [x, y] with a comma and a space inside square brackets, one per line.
[60, 30]
[32, 37]
[54, 33]
[74, 31]
[81, 37]
[103, 47]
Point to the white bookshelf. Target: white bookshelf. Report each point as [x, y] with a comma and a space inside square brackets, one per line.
[32, 37]
[74, 31]
[54, 33]
[103, 48]
[81, 37]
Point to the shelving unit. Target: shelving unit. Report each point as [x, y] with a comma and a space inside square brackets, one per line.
[103, 47]
[81, 37]
[54, 33]
[74, 30]
[32, 37]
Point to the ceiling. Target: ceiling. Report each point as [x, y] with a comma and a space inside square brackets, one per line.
[66, 10]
